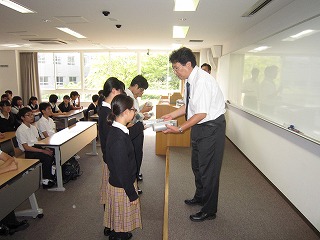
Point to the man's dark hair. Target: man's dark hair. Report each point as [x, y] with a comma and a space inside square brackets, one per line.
[95, 97]
[66, 97]
[8, 92]
[206, 65]
[140, 81]
[74, 93]
[53, 98]
[183, 55]
[43, 106]
[23, 111]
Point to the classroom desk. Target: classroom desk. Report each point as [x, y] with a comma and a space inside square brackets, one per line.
[94, 117]
[16, 186]
[67, 143]
[8, 136]
[78, 114]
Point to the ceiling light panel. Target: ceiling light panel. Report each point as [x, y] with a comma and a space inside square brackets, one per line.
[180, 31]
[15, 6]
[185, 5]
[71, 32]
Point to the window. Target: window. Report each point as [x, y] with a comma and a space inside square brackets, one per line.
[57, 60]
[59, 82]
[41, 59]
[73, 80]
[44, 81]
[71, 60]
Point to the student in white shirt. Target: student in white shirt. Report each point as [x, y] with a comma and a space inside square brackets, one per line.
[27, 135]
[46, 125]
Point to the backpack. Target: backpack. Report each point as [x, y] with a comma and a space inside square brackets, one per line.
[70, 170]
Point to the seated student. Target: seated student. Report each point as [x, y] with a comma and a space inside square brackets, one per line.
[27, 135]
[4, 97]
[93, 105]
[16, 104]
[65, 106]
[46, 125]
[75, 100]
[33, 104]
[8, 121]
[10, 224]
[53, 99]
[9, 93]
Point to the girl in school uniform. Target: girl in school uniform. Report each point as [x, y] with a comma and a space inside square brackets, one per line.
[122, 209]
[33, 104]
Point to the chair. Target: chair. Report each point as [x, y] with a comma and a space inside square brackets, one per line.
[7, 147]
[17, 151]
[90, 113]
[72, 121]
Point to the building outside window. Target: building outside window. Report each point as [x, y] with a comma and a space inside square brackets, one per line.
[59, 82]
[71, 60]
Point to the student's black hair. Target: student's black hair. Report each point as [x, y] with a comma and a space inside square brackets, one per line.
[95, 97]
[66, 97]
[53, 98]
[100, 92]
[5, 103]
[8, 92]
[119, 104]
[112, 82]
[15, 100]
[183, 55]
[74, 93]
[4, 96]
[32, 99]
[206, 65]
[43, 106]
[140, 81]
[23, 111]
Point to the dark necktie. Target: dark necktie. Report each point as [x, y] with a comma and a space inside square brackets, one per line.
[187, 99]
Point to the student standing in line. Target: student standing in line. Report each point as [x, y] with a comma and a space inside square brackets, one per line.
[65, 106]
[122, 205]
[75, 100]
[10, 224]
[33, 104]
[135, 90]
[204, 110]
[8, 121]
[27, 135]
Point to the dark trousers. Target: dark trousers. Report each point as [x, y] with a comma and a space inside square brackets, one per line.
[208, 140]
[46, 160]
[138, 150]
[10, 219]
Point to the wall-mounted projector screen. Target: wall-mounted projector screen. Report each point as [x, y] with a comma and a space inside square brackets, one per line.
[278, 78]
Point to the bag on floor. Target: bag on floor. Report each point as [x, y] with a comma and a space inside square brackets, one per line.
[70, 170]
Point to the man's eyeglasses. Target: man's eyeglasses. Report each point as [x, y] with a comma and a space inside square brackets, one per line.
[133, 109]
[176, 68]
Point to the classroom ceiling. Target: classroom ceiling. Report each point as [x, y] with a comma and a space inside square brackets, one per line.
[145, 24]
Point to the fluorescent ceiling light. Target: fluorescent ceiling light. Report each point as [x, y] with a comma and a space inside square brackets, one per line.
[299, 35]
[186, 5]
[259, 49]
[71, 32]
[16, 6]
[180, 31]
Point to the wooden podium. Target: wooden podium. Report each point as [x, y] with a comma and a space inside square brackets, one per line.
[170, 139]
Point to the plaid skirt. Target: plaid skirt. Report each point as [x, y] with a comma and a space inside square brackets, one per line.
[104, 183]
[119, 215]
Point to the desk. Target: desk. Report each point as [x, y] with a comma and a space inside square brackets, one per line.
[8, 136]
[78, 114]
[16, 186]
[68, 142]
[170, 139]
[94, 117]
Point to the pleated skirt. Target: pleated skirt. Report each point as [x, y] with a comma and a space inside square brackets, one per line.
[119, 214]
[104, 183]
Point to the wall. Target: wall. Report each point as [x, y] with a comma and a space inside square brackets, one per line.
[9, 76]
[290, 162]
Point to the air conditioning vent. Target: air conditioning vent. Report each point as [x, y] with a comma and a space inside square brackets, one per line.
[256, 8]
[48, 41]
[195, 40]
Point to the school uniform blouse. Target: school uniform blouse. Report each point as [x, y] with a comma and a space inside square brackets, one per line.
[8, 124]
[64, 108]
[121, 160]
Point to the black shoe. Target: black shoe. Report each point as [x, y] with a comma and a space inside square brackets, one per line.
[4, 230]
[139, 191]
[50, 184]
[19, 226]
[193, 202]
[106, 231]
[120, 236]
[201, 216]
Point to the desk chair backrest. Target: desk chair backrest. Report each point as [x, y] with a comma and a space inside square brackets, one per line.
[90, 113]
[72, 121]
[17, 151]
[7, 147]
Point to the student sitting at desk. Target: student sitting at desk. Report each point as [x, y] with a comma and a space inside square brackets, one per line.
[8, 121]
[65, 106]
[46, 125]
[27, 135]
[53, 99]
[16, 104]
[93, 105]
[75, 100]
[10, 224]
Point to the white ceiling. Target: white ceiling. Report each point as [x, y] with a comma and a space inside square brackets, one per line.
[146, 24]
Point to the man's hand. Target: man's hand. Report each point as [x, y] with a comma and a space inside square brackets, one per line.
[171, 129]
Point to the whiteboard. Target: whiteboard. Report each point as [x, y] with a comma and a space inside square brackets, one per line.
[282, 82]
